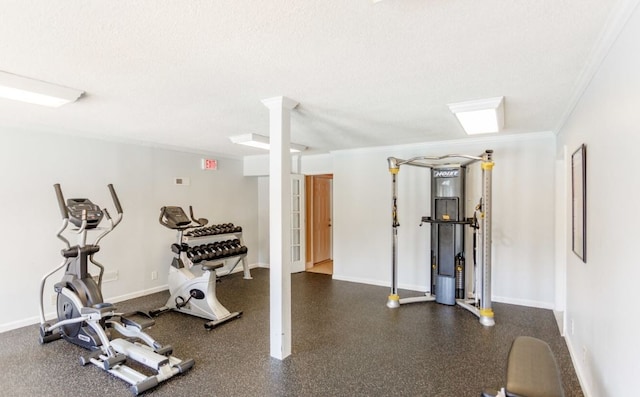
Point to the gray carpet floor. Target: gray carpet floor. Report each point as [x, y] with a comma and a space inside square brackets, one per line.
[346, 342]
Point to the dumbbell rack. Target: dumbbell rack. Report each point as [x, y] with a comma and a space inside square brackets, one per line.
[212, 238]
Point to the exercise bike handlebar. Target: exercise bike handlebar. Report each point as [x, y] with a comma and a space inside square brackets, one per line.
[199, 221]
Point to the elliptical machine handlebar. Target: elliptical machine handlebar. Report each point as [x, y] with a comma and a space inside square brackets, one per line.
[85, 222]
[116, 203]
[64, 211]
[114, 196]
[61, 203]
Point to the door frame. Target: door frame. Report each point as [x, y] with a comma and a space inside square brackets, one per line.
[309, 204]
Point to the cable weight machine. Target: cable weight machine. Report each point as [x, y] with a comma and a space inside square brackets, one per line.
[448, 223]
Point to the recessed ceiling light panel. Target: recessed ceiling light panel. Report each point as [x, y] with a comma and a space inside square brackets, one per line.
[481, 116]
[37, 92]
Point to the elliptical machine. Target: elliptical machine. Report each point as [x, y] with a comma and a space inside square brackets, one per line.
[85, 320]
[191, 294]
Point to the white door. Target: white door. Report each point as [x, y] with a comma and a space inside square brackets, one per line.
[297, 223]
[322, 235]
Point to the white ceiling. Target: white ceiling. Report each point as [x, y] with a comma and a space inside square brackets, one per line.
[189, 74]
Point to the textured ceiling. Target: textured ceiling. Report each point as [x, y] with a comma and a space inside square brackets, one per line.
[189, 74]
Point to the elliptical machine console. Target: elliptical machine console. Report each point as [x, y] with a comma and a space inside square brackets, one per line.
[86, 320]
[191, 294]
[79, 206]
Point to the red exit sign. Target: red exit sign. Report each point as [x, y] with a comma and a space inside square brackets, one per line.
[209, 164]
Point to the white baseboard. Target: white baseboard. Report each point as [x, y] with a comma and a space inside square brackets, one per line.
[137, 294]
[22, 323]
[581, 372]
[421, 288]
[359, 280]
[524, 302]
[52, 315]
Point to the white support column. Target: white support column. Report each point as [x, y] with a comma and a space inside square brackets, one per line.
[280, 224]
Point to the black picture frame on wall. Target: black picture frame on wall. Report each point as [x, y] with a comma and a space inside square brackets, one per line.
[579, 202]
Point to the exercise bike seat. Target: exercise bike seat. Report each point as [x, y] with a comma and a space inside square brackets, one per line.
[138, 320]
[212, 266]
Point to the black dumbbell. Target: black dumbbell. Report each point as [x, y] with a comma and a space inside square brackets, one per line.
[190, 254]
[216, 251]
[234, 249]
[202, 253]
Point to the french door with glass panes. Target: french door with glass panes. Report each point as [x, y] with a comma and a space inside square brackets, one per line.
[297, 223]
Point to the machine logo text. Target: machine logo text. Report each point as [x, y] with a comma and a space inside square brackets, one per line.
[446, 173]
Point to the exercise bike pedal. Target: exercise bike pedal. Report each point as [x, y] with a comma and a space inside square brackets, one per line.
[212, 266]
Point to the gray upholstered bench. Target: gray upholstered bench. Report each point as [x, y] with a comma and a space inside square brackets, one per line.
[531, 371]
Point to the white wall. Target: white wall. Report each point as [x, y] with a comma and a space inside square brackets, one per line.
[523, 207]
[309, 165]
[259, 166]
[524, 210]
[143, 177]
[602, 317]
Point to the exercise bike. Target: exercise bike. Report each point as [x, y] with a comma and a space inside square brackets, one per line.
[191, 294]
[84, 319]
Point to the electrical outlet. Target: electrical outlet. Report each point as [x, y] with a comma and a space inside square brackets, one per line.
[154, 275]
[110, 276]
[54, 299]
[573, 329]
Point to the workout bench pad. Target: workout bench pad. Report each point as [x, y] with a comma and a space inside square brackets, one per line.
[532, 370]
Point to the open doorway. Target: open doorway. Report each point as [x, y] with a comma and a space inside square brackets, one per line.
[319, 230]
